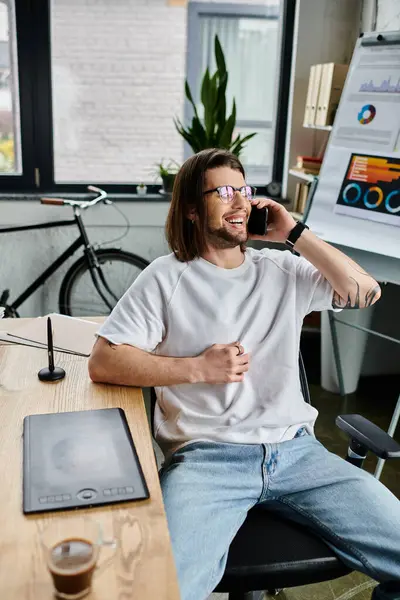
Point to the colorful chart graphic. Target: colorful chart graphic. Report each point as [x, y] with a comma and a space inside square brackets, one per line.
[385, 86]
[366, 114]
[371, 187]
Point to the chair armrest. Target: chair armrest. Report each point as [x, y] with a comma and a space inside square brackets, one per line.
[369, 435]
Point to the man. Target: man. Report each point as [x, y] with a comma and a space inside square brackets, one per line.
[215, 327]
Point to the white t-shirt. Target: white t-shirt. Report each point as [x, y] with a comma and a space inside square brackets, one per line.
[180, 309]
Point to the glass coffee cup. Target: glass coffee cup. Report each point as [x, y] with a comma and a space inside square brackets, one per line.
[72, 549]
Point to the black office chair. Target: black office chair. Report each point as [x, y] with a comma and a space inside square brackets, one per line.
[271, 553]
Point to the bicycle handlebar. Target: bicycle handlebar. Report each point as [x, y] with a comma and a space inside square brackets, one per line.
[102, 197]
[51, 201]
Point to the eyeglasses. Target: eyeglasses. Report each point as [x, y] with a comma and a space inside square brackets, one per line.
[227, 192]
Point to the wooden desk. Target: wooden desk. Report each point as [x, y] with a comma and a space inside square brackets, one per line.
[143, 566]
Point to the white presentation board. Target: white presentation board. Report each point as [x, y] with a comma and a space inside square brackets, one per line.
[357, 200]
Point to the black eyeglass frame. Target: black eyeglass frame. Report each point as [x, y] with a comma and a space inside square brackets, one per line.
[235, 189]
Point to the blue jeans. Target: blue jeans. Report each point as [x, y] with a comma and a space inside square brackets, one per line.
[209, 487]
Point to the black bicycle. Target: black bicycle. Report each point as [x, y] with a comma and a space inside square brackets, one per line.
[96, 281]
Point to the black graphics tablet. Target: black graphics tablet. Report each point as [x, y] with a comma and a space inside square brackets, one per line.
[79, 459]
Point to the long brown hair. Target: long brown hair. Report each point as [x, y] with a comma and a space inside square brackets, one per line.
[187, 240]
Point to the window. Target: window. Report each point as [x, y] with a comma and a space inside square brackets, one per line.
[89, 88]
[99, 86]
[10, 138]
[250, 37]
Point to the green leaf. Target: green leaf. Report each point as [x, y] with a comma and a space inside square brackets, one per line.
[190, 97]
[214, 80]
[222, 78]
[178, 124]
[233, 113]
[207, 100]
[237, 150]
[227, 132]
[248, 137]
[225, 129]
[179, 127]
[192, 141]
[188, 92]
[219, 56]
[220, 107]
[199, 133]
[221, 95]
[237, 145]
[205, 87]
[214, 91]
[211, 120]
[187, 135]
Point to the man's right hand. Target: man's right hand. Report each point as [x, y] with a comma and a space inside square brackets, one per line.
[222, 363]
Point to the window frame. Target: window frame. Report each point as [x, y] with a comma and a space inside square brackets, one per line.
[286, 18]
[25, 180]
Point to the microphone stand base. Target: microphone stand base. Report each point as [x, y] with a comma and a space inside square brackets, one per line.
[46, 375]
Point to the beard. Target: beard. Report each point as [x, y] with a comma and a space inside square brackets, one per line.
[222, 238]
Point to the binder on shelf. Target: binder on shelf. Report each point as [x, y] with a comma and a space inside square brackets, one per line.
[316, 83]
[303, 198]
[333, 78]
[300, 199]
[307, 112]
[296, 197]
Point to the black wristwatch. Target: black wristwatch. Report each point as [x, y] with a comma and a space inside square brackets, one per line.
[295, 234]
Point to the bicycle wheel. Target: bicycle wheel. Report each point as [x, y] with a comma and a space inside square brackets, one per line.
[78, 294]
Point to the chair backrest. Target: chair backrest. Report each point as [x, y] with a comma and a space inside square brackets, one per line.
[303, 383]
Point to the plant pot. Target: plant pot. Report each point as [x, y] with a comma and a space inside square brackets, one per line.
[168, 182]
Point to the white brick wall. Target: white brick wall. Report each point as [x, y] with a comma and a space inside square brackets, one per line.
[118, 71]
[118, 81]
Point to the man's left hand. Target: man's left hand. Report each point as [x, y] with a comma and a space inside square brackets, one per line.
[279, 222]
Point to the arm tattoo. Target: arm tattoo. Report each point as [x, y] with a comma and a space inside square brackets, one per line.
[339, 302]
[112, 346]
[372, 294]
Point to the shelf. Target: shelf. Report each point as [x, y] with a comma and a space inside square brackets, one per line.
[320, 127]
[306, 176]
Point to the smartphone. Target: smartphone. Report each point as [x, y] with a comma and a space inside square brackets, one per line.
[257, 223]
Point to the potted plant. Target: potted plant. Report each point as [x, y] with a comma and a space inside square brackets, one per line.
[167, 172]
[215, 129]
[141, 189]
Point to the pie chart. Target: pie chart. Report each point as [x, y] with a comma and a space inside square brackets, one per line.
[366, 114]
